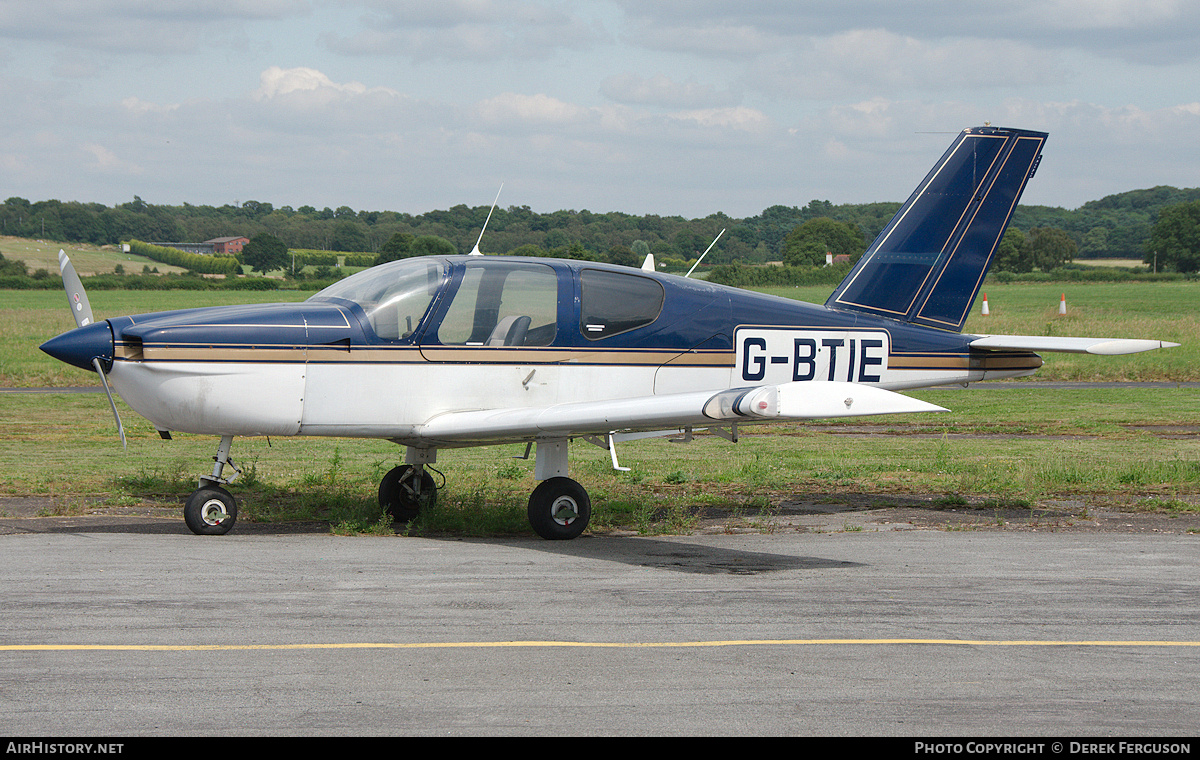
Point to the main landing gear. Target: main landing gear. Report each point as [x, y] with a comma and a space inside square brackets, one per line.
[405, 490]
[559, 508]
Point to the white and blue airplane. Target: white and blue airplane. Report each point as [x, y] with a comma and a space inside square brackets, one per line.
[444, 352]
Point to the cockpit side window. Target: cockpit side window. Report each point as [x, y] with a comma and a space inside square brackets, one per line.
[613, 302]
[394, 296]
[502, 304]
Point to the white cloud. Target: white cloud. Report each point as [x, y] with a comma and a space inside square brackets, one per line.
[277, 81]
[653, 106]
[139, 106]
[532, 109]
[105, 160]
[740, 118]
[467, 30]
[660, 90]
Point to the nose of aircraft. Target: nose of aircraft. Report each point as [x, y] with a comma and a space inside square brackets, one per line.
[79, 346]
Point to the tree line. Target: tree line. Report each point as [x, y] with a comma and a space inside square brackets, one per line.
[1117, 226]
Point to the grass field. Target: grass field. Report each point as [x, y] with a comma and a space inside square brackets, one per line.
[1018, 444]
[1015, 448]
[88, 259]
[1157, 310]
[1164, 311]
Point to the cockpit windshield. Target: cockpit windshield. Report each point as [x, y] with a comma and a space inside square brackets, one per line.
[395, 296]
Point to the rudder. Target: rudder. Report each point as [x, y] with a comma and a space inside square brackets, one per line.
[927, 265]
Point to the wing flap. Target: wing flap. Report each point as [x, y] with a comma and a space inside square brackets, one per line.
[1097, 346]
[801, 400]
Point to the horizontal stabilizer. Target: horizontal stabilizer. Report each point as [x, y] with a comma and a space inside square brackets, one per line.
[1098, 346]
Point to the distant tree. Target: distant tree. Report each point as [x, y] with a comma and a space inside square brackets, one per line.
[1049, 248]
[1095, 242]
[1175, 238]
[432, 245]
[398, 246]
[623, 255]
[1011, 255]
[265, 253]
[349, 236]
[807, 244]
[528, 249]
[14, 267]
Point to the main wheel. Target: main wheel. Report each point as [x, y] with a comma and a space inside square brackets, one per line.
[402, 495]
[559, 508]
[210, 511]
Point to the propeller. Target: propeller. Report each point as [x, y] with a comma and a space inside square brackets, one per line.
[81, 310]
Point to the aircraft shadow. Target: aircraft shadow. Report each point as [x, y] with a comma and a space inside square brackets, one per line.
[678, 557]
[675, 556]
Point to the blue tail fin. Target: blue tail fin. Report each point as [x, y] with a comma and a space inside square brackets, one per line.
[928, 263]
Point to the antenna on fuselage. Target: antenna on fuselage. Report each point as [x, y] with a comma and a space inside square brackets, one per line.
[475, 251]
[706, 250]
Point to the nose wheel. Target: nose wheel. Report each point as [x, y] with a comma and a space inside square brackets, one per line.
[210, 511]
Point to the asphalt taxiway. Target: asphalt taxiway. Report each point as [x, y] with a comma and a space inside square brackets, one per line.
[109, 631]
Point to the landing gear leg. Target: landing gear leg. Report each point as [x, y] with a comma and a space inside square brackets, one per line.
[211, 510]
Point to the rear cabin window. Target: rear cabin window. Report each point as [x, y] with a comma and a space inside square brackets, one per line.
[614, 303]
[501, 304]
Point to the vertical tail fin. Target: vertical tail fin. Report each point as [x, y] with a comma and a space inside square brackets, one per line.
[928, 263]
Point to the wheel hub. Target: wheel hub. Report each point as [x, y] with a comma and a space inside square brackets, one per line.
[213, 512]
[564, 510]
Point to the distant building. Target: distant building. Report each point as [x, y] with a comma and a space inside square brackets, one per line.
[227, 246]
[222, 246]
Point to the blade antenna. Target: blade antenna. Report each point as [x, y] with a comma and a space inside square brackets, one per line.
[706, 250]
[475, 251]
[81, 310]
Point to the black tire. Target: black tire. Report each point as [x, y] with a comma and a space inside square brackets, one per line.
[559, 509]
[210, 511]
[400, 498]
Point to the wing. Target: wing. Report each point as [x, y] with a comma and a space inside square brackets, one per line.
[1100, 346]
[788, 401]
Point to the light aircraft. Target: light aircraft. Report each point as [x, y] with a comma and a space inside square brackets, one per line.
[453, 351]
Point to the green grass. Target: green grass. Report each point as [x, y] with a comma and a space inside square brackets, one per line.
[1164, 311]
[87, 259]
[1011, 446]
[1156, 310]
[1094, 444]
[29, 318]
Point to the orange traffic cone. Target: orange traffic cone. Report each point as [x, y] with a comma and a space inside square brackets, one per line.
[1062, 305]
[985, 308]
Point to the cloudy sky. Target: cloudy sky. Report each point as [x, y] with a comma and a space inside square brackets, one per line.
[685, 107]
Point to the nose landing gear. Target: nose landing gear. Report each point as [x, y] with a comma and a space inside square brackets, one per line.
[211, 510]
